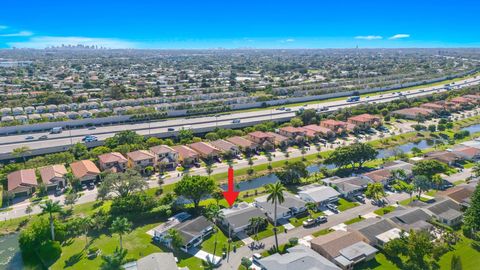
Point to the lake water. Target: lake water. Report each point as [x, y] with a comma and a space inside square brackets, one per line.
[473, 129]
[10, 256]
[405, 148]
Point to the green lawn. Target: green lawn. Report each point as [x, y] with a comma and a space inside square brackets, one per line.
[354, 220]
[208, 244]
[345, 205]
[379, 263]
[384, 210]
[322, 232]
[267, 232]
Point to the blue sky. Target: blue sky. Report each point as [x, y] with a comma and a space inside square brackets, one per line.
[237, 24]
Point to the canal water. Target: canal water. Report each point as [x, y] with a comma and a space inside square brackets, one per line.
[473, 129]
[10, 256]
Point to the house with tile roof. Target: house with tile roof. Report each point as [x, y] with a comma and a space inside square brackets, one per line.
[85, 170]
[165, 157]
[243, 144]
[140, 159]
[22, 182]
[114, 162]
[226, 147]
[206, 151]
[186, 155]
[265, 140]
[365, 121]
[53, 176]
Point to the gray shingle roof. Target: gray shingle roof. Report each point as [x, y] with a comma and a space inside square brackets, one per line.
[297, 258]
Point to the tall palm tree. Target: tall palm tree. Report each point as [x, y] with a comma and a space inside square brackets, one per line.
[214, 214]
[275, 195]
[21, 152]
[255, 223]
[50, 207]
[121, 226]
[85, 224]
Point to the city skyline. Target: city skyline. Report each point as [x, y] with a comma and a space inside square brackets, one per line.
[191, 25]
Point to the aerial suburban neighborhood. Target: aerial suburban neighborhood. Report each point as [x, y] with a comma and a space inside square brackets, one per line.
[279, 146]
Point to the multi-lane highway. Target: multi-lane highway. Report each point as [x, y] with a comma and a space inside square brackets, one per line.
[61, 142]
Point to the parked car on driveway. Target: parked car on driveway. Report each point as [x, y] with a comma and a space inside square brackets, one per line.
[332, 208]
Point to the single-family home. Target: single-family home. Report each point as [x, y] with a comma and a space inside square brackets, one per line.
[295, 134]
[344, 248]
[280, 141]
[407, 219]
[348, 186]
[436, 107]
[297, 258]
[467, 152]
[376, 230]
[291, 207]
[365, 121]
[338, 127]
[186, 155]
[114, 162]
[264, 140]
[53, 176]
[85, 170]
[140, 159]
[192, 231]
[384, 174]
[446, 157]
[460, 194]
[319, 131]
[243, 144]
[226, 147]
[445, 211]
[206, 151]
[22, 182]
[166, 157]
[155, 261]
[462, 101]
[318, 194]
[237, 218]
[413, 113]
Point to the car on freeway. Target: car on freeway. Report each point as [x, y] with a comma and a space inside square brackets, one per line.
[288, 109]
[170, 129]
[43, 137]
[90, 138]
[236, 121]
[29, 138]
[92, 128]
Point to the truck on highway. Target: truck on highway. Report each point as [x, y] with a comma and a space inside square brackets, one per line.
[56, 130]
[353, 99]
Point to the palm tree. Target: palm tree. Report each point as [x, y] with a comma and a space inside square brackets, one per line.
[375, 191]
[50, 207]
[114, 261]
[21, 152]
[121, 226]
[214, 214]
[476, 169]
[255, 223]
[275, 195]
[209, 168]
[311, 207]
[176, 240]
[85, 224]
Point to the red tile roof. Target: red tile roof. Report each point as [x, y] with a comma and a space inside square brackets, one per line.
[204, 148]
[21, 178]
[140, 155]
[49, 172]
[260, 134]
[84, 167]
[185, 151]
[112, 157]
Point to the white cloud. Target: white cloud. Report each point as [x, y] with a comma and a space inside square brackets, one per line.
[399, 36]
[371, 37]
[288, 40]
[2, 27]
[49, 41]
[18, 34]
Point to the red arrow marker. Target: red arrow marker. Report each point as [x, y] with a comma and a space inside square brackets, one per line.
[230, 195]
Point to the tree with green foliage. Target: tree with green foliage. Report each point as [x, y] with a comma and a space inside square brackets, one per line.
[22, 152]
[100, 150]
[85, 224]
[357, 153]
[50, 207]
[421, 184]
[175, 239]
[292, 173]
[121, 226]
[114, 261]
[476, 169]
[275, 196]
[70, 199]
[375, 191]
[123, 184]
[416, 249]
[456, 263]
[255, 223]
[153, 141]
[126, 137]
[195, 188]
[471, 218]
[185, 136]
[429, 168]
[79, 151]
